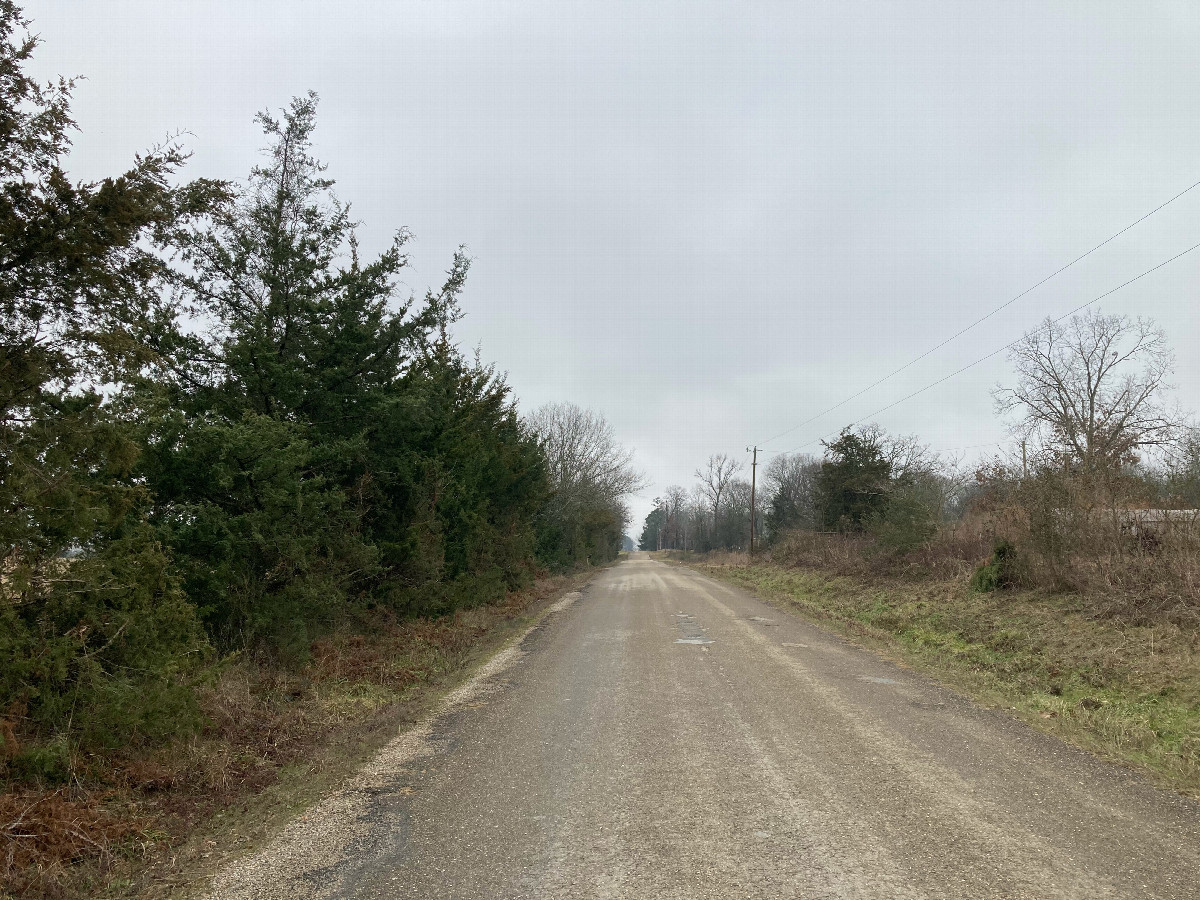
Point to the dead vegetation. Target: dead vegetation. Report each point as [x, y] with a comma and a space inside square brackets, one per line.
[43, 833]
[1060, 533]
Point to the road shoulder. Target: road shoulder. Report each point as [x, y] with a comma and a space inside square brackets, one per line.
[237, 833]
[1128, 694]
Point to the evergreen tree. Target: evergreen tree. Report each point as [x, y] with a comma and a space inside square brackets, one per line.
[258, 428]
[652, 528]
[319, 442]
[853, 482]
[458, 480]
[93, 628]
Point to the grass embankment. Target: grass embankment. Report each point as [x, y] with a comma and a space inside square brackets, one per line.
[274, 742]
[1128, 692]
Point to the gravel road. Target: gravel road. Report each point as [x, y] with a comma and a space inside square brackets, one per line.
[667, 736]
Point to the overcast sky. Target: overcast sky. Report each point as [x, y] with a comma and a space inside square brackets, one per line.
[708, 221]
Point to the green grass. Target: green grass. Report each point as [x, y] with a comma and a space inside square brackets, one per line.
[1130, 693]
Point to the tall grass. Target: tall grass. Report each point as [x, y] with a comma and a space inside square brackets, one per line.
[1068, 535]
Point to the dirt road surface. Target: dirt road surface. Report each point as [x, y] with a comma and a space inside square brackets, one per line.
[667, 736]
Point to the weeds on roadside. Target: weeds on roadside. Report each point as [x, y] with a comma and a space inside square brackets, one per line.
[113, 817]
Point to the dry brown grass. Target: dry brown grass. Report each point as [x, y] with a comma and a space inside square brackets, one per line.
[1090, 552]
[1092, 537]
[952, 554]
[42, 834]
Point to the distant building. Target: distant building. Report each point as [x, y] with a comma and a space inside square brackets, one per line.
[1158, 521]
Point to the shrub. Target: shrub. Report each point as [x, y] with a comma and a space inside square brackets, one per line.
[49, 764]
[906, 522]
[998, 572]
[97, 652]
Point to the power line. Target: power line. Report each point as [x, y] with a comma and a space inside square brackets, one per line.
[995, 353]
[982, 319]
[969, 447]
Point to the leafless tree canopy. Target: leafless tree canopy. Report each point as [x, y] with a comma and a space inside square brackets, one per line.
[674, 503]
[789, 491]
[715, 478]
[1089, 390]
[906, 455]
[583, 455]
[675, 498]
[787, 469]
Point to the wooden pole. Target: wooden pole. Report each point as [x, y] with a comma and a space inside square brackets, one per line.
[753, 486]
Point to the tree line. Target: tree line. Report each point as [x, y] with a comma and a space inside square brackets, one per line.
[1100, 458]
[225, 429]
[867, 478]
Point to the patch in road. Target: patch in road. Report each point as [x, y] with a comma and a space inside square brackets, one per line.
[691, 631]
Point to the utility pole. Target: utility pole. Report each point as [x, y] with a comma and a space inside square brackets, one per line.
[658, 508]
[753, 485]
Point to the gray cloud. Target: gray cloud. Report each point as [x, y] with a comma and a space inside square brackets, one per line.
[708, 221]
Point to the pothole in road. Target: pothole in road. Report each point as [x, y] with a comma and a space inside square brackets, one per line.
[690, 630]
[760, 620]
[873, 680]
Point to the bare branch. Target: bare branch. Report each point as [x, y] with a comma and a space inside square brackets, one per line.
[1088, 391]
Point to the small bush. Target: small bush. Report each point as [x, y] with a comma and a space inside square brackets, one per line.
[998, 572]
[906, 523]
[98, 653]
[48, 765]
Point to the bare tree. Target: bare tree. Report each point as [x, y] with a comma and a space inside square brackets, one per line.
[699, 513]
[674, 502]
[906, 456]
[790, 492]
[715, 478]
[1089, 390]
[583, 457]
[734, 525]
[1181, 473]
[590, 474]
